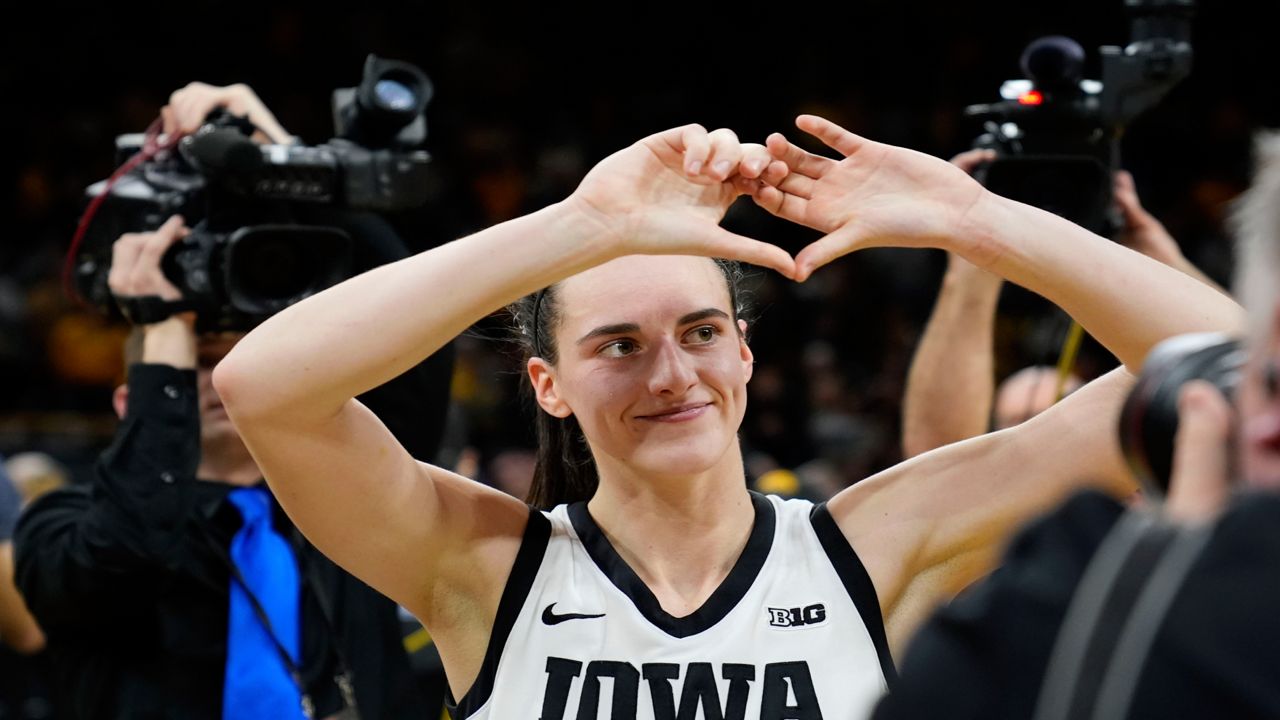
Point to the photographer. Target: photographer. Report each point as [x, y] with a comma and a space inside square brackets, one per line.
[175, 586]
[1047, 636]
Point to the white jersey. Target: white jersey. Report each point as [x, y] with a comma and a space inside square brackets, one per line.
[794, 631]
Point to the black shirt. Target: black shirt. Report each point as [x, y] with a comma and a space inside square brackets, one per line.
[130, 581]
[1216, 655]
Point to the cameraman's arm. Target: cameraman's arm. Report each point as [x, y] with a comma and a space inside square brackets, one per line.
[951, 380]
[82, 555]
[188, 108]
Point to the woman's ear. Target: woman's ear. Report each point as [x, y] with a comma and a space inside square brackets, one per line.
[748, 359]
[120, 400]
[542, 376]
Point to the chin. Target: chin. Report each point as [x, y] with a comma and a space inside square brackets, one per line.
[682, 459]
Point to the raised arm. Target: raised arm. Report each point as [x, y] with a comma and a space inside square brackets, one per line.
[952, 377]
[440, 544]
[930, 525]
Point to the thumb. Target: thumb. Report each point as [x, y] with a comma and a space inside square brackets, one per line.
[825, 249]
[724, 244]
[1198, 485]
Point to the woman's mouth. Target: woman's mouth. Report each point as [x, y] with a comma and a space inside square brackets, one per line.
[682, 413]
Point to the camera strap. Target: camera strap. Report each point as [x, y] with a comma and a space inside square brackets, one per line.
[150, 309]
[1114, 616]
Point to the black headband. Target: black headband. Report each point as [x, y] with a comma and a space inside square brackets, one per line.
[533, 330]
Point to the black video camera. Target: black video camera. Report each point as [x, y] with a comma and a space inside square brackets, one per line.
[255, 248]
[1057, 135]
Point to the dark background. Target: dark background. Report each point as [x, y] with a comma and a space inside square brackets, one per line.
[527, 99]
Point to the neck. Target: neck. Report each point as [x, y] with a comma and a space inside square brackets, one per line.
[681, 534]
[227, 460]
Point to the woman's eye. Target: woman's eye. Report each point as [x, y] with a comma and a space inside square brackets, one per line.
[704, 334]
[618, 348]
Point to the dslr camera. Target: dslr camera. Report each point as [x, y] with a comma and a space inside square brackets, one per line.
[255, 247]
[1057, 136]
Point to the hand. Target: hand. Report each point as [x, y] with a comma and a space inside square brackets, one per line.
[667, 193]
[1199, 482]
[1141, 231]
[188, 108]
[878, 195]
[135, 263]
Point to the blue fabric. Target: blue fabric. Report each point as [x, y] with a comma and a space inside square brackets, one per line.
[258, 684]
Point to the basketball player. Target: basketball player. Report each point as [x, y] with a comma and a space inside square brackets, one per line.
[663, 587]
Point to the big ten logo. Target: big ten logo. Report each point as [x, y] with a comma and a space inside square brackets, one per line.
[798, 616]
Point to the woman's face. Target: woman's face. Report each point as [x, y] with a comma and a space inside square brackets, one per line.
[651, 363]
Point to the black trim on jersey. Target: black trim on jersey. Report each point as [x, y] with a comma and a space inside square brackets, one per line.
[856, 582]
[724, 598]
[537, 533]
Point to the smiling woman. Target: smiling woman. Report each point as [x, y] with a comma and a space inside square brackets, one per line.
[617, 354]
[646, 558]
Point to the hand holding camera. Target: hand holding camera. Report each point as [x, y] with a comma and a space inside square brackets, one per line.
[189, 109]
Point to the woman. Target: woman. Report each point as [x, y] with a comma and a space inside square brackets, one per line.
[673, 581]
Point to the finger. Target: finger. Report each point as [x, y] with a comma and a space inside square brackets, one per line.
[796, 158]
[831, 134]
[756, 160]
[746, 185]
[969, 160]
[775, 173]
[168, 124]
[1199, 482]
[724, 244]
[173, 226]
[782, 204]
[124, 256]
[798, 185]
[825, 249]
[726, 153]
[693, 141]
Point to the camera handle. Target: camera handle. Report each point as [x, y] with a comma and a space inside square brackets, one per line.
[150, 309]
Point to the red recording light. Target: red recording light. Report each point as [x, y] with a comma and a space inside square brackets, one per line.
[1031, 97]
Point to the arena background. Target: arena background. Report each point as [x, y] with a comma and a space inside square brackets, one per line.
[526, 100]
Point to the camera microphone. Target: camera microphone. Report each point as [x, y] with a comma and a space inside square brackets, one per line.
[222, 150]
[1055, 62]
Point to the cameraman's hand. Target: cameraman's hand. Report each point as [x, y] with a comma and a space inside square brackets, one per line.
[135, 272]
[188, 108]
[1144, 233]
[1199, 484]
[1141, 230]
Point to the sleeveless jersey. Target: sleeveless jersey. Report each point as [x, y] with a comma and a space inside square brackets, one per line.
[794, 632]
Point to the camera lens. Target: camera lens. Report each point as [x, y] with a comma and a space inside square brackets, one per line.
[1149, 419]
[269, 267]
[394, 95]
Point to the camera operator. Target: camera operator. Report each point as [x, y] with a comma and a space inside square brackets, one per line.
[1047, 637]
[949, 395]
[146, 583]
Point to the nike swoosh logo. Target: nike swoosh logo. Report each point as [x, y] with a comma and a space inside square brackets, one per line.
[551, 618]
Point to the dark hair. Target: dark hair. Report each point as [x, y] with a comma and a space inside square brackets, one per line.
[565, 470]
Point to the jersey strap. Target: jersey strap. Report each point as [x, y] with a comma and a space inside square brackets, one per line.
[537, 533]
[856, 582]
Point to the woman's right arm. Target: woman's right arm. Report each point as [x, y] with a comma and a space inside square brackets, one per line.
[422, 535]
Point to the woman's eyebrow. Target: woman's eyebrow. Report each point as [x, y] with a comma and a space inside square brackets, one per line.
[703, 314]
[615, 329]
